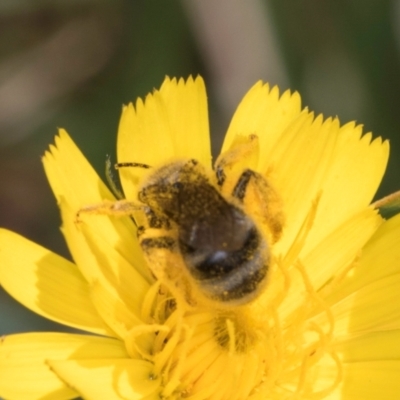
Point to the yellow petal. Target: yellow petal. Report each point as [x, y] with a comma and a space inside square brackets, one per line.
[186, 106]
[381, 255]
[318, 159]
[298, 165]
[373, 346]
[357, 169]
[373, 308]
[24, 373]
[341, 247]
[110, 379]
[331, 257]
[115, 313]
[71, 176]
[47, 284]
[379, 259]
[371, 380]
[172, 122]
[305, 158]
[118, 276]
[76, 185]
[263, 113]
[376, 306]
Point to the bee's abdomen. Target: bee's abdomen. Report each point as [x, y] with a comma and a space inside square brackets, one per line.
[232, 276]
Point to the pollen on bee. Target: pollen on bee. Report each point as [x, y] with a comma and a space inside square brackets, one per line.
[202, 240]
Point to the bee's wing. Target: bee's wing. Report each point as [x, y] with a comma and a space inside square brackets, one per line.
[222, 229]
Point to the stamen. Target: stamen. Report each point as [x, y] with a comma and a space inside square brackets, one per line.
[339, 375]
[320, 348]
[302, 234]
[278, 346]
[218, 377]
[232, 337]
[164, 346]
[206, 393]
[205, 355]
[149, 301]
[316, 297]
[304, 368]
[287, 281]
[174, 380]
[131, 339]
[345, 271]
[321, 394]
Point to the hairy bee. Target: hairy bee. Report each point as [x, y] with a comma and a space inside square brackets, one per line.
[185, 213]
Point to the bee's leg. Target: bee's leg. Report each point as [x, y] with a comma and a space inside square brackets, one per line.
[151, 244]
[240, 189]
[244, 147]
[112, 180]
[119, 208]
[154, 231]
[260, 199]
[154, 221]
[160, 248]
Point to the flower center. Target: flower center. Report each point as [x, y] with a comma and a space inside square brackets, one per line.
[279, 346]
[240, 354]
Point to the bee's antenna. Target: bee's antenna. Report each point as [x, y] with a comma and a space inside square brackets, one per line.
[112, 180]
[131, 165]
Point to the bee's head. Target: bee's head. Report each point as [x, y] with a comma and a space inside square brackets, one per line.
[174, 188]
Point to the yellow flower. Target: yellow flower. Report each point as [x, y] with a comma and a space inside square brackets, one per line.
[325, 326]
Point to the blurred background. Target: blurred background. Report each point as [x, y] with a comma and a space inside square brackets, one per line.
[73, 63]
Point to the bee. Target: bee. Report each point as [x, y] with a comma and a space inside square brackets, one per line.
[220, 248]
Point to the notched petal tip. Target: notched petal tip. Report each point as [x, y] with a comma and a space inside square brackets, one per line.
[265, 113]
[169, 83]
[171, 122]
